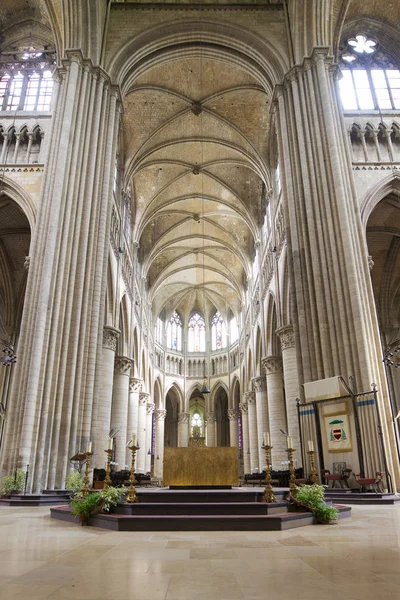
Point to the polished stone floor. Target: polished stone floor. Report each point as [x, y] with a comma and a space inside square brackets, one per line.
[357, 559]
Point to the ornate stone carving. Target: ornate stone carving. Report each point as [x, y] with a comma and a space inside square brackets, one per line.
[370, 262]
[183, 417]
[135, 385]
[122, 365]
[210, 416]
[27, 263]
[110, 337]
[143, 397]
[244, 408]
[160, 414]
[250, 398]
[150, 408]
[286, 335]
[232, 414]
[259, 384]
[272, 364]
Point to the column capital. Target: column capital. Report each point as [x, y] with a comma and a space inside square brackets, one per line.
[250, 398]
[183, 417]
[160, 414]
[122, 365]
[143, 397]
[244, 407]
[259, 384]
[286, 335]
[272, 364]
[135, 385]
[210, 416]
[110, 337]
[232, 414]
[150, 408]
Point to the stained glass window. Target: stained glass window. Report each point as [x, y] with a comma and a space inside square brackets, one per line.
[218, 332]
[23, 90]
[233, 330]
[197, 425]
[196, 334]
[174, 333]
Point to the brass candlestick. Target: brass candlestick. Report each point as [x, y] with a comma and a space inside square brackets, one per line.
[107, 479]
[268, 492]
[313, 477]
[85, 486]
[132, 497]
[292, 478]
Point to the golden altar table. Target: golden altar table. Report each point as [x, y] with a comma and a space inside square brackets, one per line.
[200, 466]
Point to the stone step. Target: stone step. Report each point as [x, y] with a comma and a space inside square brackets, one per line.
[200, 508]
[188, 522]
[220, 496]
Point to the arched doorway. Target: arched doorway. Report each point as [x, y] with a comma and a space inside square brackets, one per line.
[171, 419]
[221, 417]
[15, 238]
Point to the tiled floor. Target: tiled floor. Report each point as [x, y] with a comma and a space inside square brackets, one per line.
[358, 559]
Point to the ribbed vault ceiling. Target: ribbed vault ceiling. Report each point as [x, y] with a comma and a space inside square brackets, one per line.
[195, 141]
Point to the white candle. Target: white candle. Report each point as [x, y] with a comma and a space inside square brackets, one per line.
[89, 448]
[311, 446]
[266, 439]
[133, 439]
[110, 443]
[289, 443]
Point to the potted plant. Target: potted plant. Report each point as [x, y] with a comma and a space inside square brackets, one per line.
[312, 498]
[12, 483]
[95, 502]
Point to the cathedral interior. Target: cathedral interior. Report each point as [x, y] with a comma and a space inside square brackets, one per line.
[200, 235]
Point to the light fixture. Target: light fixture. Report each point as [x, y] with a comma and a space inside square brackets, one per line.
[205, 389]
[149, 451]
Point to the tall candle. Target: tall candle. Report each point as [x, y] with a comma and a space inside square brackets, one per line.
[289, 443]
[133, 439]
[89, 448]
[110, 443]
[311, 446]
[266, 439]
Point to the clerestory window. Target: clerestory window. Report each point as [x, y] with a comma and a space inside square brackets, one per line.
[370, 79]
[218, 332]
[174, 333]
[196, 334]
[26, 81]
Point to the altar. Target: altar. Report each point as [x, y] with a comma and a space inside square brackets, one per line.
[201, 466]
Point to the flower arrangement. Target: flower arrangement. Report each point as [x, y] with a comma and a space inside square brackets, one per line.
[73, 482]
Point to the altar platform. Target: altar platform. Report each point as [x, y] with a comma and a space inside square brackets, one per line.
[238, 509]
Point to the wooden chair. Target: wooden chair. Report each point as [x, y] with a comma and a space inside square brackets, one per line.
[340, 478]
[370, 482]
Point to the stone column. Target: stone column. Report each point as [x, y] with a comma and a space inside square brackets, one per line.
[291, 379]
[276, 408]
[252, 420]
[55, 401]
[119, 409]
[103, 425]
[210, 418]
[233, 427]
[334, 314]
[141, 453]
[260, 388]
[245, 435]
[135, 386]
[159, 446]
[149, 434]
[183, 429]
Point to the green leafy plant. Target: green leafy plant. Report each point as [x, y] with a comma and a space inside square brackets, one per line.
[111, 496]
[13, 483]
[73, 482]
[86, 507]
[96, 502]
[312, 497]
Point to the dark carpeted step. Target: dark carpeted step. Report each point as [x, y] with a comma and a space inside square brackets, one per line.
[200, 508]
